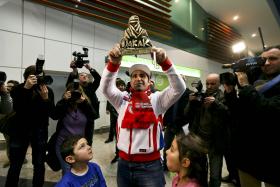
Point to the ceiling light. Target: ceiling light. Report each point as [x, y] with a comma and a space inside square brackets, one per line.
[238, 47]
[176, 1]
[235, 18]
[254, 35]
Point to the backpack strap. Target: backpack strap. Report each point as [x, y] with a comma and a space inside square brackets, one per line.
[269, 84]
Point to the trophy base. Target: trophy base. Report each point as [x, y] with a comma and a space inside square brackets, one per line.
[135, 51]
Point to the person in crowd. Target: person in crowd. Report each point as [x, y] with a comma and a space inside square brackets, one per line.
[173, 121]
[76, 151]
[113, 113]
[153, 87]
[10, 85]
[89, 88]
[208, 119]
[113, 119]
[228, 81]
[140, 118]
[187, 158]
[257, 132]
[6, 102]
[121, 86]
[74, 113]
[33, 104]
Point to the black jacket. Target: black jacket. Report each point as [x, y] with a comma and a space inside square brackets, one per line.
[210, 123]
[32, 112]
[257, 139]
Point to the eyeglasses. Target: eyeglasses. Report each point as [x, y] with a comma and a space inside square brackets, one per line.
[270, 58]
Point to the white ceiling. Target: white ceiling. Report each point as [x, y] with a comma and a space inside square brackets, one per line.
[252, 14]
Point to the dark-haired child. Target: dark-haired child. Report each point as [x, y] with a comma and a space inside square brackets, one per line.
[77, 153]
[187, 157]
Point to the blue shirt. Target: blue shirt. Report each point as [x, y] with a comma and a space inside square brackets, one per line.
[93, 178]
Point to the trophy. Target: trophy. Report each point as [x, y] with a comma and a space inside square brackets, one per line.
[135, 40]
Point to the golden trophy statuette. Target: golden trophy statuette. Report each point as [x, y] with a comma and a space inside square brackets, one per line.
[135, 40]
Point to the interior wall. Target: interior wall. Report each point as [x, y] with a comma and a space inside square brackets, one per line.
[28, 29]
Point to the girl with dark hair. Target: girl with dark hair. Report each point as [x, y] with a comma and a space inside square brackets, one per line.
[187, 157]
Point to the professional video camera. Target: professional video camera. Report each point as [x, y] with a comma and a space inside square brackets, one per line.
[3, 77]
[75, 93]
[246, 64]
[199, 87]
[250, 65]
[41, 77]
[78, 58]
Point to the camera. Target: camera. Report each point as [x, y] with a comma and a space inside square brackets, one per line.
[199, 87]
[79, 58]
[250, 65]
[3, 77]
[41, 77]
[75, 93]
[246, 64]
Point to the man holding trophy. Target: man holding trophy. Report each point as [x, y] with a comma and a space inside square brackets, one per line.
[139, 125]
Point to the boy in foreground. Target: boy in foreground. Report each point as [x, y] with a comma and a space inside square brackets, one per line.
[76, 151]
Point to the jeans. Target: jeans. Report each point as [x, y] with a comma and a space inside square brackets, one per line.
[37, 138]
[215, 167]
[89, 133]
[140, 174]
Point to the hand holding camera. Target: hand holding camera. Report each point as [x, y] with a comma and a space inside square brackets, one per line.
[30, 81]
[67, 95]
[209, 100]
[43, 91]
[242, 78]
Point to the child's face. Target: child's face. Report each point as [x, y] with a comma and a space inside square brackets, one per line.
[172, 157]
[83, 151]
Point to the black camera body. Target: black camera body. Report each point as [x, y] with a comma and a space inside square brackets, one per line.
[75, 93]
[246, 64]
[250, 65]
[79, 58]
[41, 77]
[200, 94]
[3, 77]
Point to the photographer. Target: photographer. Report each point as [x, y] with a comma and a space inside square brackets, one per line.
[33, 105]
[9, 86]
[89, 88]
[74, 114]
[208, 116]
[6, 104]
[258, 121]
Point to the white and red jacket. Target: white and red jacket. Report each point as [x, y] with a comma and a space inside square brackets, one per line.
[139, 136]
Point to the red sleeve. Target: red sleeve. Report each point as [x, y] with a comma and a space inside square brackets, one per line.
[165, 65]
[113, 67]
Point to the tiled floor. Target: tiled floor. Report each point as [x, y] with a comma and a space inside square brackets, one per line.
[103, 154]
